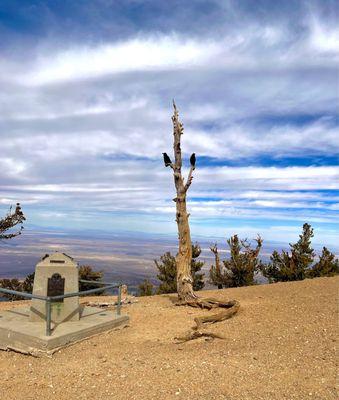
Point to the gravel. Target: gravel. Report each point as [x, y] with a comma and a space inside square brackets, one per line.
[281, 345]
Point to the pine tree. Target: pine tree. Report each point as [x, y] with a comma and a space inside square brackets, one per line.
[11, 220]
[240, 268]
[196, 266]
[86, 272]
[327, 265]
[18, 285]
[27, 284]
[292, 267]
[168, 271]
[146, 288]
[243, 263]
[11, 284]
[302, 253]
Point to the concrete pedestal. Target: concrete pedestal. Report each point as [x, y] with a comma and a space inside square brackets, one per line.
[56, 274]
[18, 333]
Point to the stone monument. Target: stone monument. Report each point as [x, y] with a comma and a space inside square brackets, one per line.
[27, 329]
[55, 275]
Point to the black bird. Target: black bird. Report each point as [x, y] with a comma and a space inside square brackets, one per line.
[167, 160]
[192, 160]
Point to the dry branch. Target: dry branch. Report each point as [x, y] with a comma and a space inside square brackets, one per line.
[190, 178]
[196, 335]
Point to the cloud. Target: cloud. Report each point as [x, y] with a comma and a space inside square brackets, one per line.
[323, 38]
[139, 54]
[217, 191]
[250, 49]
[85, 113]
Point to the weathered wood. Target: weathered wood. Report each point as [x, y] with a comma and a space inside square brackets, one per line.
[216, 275]
[196, 335]
[186, 295]
[230, 308]
[184, 256]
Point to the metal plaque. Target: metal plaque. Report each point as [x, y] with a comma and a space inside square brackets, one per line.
[56, 286]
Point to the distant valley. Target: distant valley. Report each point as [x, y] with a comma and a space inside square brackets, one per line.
[127, 257]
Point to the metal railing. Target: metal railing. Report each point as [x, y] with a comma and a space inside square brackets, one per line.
[50, 299]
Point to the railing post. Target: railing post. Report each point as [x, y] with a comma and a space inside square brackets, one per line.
[119, 301]
[48, 317]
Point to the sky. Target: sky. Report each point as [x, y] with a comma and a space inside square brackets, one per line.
[86, 91]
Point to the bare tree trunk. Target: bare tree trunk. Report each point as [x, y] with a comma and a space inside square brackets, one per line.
[217, 269]
[186, 294]
[184, 256]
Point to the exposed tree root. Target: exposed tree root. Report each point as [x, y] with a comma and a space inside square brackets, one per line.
[229, 308]
[196, 335]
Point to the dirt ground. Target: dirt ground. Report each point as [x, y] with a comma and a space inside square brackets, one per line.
[281, 345]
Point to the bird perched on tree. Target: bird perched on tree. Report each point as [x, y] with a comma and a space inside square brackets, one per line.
[167, 160]
[192, 160]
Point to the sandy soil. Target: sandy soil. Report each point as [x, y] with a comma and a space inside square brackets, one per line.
[281, 345]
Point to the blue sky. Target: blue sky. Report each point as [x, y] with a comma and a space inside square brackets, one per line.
[85, 106]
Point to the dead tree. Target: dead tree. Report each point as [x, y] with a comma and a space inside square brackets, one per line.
[11, 220]
[186, 295]
[184, 256]
[216, 275]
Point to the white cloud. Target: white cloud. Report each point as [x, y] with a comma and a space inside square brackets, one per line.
[253, 47]
[127, 134]
[12, 166]
[242, 140]
[83, 125]
[271, 178]
[242, 191]
[323, 38]
[138, 54]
